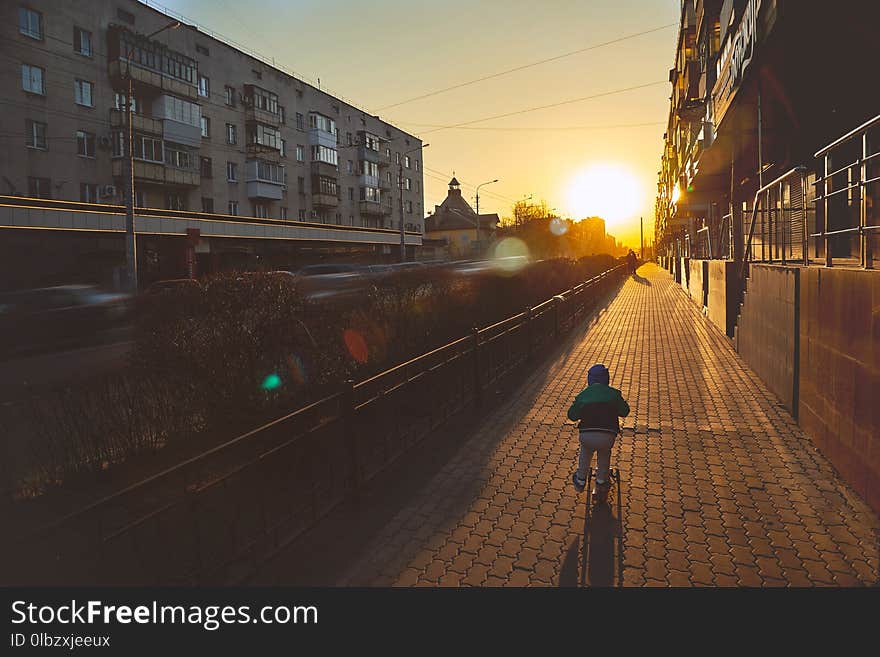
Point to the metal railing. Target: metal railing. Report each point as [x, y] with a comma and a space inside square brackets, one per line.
[847, 197]
[215, 517]
[777, 228]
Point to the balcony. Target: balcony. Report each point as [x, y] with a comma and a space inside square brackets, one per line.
[325, 200]
[140, 123]
[152, 64]
[255, 150]
[319, 168]
[373, 208]
[264, 180]
[158, 172]
[369, 155]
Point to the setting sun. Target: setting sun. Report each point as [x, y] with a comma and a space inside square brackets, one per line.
[610, 191]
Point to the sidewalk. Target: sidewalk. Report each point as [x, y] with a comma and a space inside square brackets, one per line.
[719, 486]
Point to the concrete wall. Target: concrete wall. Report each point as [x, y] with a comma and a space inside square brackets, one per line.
[767, 331]
[723, 294]
[840, 372]
[697, 281]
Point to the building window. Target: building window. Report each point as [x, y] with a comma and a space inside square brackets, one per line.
[409, 207]
[82, 41]
[369, 169]
[206, 167]
[119, 103]
[207, 204]
[30, 23]
[300, 122]
[283, 144]
[406, 161]
[148, 149]
[327, 186]
[370, 194]
[302, 214]
[283, 212]
[417, 165]
[206, 126]
[300, 153]
[35, 133]
[321, 122]
[324, 154]
[140, 199]
[82, 93]
[231, 133]
[231, 171]
[301, 185]
[175, 201]
[88, 193]
[261, 99]
[39, 188]
[202, 50]
[351, 193]
[261, 211]
[233, 208]
[229, 96]
[263, 135]
[85, 143]
[33, 79]
[407, 183]
[350, 167]
[348, 138]
[204, 86]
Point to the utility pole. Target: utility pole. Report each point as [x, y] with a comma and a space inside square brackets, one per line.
[478, 213]
[131, 271]
[642, 238]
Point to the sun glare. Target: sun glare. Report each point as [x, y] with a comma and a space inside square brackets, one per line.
[607, 190]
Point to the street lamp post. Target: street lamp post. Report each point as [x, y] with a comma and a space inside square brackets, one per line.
[478, 211]
[130, 239]
[400, 185]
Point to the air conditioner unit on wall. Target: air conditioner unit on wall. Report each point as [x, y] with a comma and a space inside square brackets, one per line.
[108, 191]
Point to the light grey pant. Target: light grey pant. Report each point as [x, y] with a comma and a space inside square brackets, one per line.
[600, 442]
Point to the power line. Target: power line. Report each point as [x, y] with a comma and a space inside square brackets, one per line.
[540, 128]
[542, 107]
[530, 65]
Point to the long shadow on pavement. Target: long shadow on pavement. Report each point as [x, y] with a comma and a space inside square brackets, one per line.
[595, 549]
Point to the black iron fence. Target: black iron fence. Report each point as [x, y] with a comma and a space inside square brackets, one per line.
[215, 517]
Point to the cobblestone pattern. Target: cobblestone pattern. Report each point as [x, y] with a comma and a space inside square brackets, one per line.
[719, 487]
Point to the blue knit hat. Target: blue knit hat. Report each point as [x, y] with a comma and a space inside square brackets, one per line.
[598, 373]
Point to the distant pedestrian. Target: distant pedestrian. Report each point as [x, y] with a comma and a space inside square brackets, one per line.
[597, 408]
[632, 262]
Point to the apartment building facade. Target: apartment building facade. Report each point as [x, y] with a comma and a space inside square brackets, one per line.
[757, 87]
[216, 130]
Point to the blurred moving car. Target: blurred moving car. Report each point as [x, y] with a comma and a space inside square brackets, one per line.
[329, 282]
[54, 317]
[171, 285]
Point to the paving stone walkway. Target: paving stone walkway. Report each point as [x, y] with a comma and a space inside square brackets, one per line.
[719, 487]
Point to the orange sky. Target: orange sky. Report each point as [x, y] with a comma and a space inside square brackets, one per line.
[382, 52]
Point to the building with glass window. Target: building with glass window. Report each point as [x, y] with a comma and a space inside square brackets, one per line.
[216, 130]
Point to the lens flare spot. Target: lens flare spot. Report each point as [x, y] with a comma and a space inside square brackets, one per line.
[510, 255]
[297, 370]
[356, 345]
[558, 226]
[271, 382]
